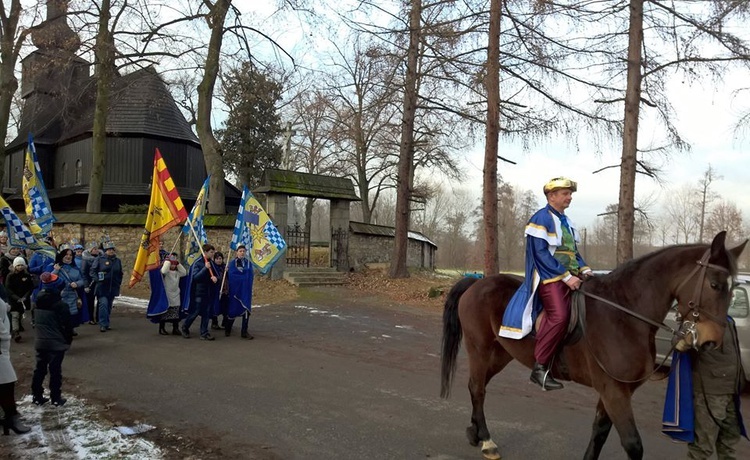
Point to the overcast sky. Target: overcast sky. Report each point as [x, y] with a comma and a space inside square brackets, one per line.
[705, 117]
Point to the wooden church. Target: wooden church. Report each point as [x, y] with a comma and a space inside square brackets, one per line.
[58, 94]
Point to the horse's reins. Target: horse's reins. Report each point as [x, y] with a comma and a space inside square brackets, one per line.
[702, 266]
[628, 311]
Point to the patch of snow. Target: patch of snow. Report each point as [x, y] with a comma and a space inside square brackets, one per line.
[72, 431]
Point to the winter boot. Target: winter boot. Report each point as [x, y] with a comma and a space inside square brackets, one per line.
[162, 331]
[13, 423]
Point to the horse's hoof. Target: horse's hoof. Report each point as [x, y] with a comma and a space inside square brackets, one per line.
[471, 433]
[489, 450]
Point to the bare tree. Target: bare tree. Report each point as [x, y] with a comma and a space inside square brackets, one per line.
[215, 17]
[492, 133]
[406, 152]
[726, 216]
[312, 147]
[709, 176]
[682, 207]
[105, 73]
[363, 106]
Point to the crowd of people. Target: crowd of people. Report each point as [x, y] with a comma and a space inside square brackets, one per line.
[78, 286]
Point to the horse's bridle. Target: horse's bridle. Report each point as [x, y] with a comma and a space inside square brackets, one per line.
[688, 326]
[685, 326]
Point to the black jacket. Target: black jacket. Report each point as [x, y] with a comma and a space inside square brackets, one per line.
[52, 322]
[202, 287]
[19, 286]
[107, 273]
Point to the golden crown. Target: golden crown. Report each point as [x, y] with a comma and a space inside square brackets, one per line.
[558, 183]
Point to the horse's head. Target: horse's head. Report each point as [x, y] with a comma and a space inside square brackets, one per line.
[703, 296]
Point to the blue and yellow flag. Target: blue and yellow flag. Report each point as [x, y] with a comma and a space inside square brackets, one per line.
[195, 218]
[19, 235]
[253, 224]
[38, 209]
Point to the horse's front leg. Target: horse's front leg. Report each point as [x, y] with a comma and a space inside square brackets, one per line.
[599, 432]
[617, 403]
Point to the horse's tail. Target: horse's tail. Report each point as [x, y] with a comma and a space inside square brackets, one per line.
[452, 334]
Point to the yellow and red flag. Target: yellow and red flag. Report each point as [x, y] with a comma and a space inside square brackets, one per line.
[164, 212]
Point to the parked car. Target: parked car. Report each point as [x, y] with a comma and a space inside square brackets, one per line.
[739, 309]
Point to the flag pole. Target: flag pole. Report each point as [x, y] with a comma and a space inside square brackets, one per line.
[224, 276]
[200, 246]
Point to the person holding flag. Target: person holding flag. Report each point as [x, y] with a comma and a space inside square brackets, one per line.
[202, 279]
[203, 283]
[240, 276]
[252, 229]
[164, 212]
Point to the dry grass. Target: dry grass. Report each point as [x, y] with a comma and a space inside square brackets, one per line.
[421, 288]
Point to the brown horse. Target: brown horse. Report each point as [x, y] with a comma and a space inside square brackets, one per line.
[616, 353]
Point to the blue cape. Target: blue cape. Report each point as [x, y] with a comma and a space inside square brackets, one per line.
[158, 302]
[678, 419]
[240, 287]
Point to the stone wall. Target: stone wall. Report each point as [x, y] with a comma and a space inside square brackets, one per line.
[376, 250]
[128, 237]
[364, 250]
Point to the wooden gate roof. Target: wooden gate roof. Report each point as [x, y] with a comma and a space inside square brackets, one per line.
[295, 183]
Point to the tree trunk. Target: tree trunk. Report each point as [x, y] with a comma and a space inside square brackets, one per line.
[626, 206]
[308, 215]
[8, 80]
[211, 147]
[492, 130]
[406, 152]
[104, 53]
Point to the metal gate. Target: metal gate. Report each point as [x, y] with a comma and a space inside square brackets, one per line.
[340, 249]
[298, 246]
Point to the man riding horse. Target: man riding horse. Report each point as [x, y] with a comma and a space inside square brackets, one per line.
[553, 270]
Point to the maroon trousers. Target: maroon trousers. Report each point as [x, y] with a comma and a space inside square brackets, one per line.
[555, 299]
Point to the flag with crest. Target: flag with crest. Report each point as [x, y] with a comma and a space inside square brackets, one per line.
[195, 218]
[38, 209]
[164, 212]
[256, 231]
[19, 235]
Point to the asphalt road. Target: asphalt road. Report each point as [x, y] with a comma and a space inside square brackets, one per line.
[333, 377]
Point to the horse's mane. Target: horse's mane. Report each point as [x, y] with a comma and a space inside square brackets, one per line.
[635, 265]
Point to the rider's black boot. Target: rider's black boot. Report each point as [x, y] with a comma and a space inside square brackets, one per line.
[542, 377]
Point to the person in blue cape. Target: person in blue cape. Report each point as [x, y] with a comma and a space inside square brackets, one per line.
[201, 286]
[702, 405]
[240, 279]
[554, 268]
[220, 301]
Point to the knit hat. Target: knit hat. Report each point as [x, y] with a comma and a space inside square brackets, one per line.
[19, 262]
[48, 277]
